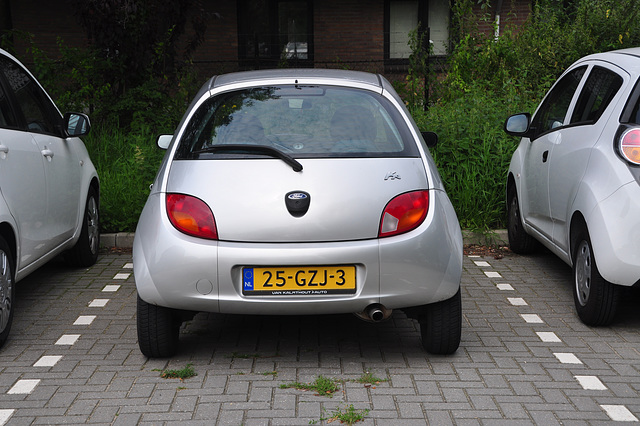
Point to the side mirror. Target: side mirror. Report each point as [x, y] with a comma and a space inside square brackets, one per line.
[430, 138]
[164, 141]
[76, 124]
[518, 125]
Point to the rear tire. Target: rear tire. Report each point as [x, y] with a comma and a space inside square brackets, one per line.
[595, 298]
[441, 327]
[7, 290]
[519, 241]
[158, 330]
[85, 252]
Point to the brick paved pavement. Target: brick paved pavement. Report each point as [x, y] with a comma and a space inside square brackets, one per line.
[524, 359]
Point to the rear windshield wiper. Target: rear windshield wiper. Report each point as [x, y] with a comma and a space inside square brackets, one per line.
[258, 149]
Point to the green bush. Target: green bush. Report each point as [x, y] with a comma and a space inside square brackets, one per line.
[488, 79]
[485, 81]
[127, 163]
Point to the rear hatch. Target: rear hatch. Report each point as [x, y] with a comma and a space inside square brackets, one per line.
[346, 196]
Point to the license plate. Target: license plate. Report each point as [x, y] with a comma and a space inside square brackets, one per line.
[285, 281]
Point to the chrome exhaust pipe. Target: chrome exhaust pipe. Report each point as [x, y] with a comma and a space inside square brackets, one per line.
[374, 313]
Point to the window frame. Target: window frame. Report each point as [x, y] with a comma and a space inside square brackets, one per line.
[551, 99]
[273, 35]
[42, 101]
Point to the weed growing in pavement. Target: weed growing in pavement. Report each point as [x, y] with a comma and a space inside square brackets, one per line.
[348, 415]
[369, 378]
[184, 373]
[322, 385]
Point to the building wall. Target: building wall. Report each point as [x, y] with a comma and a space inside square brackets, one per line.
[349, 33]
[47, 21]
[219, 50]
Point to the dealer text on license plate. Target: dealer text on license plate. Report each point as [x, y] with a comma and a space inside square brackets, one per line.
[283, 281]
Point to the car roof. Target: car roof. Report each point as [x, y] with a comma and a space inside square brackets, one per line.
[628, 59]
[262, 76]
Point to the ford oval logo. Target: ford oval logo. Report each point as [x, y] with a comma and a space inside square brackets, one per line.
[297, 196]
[297, 203]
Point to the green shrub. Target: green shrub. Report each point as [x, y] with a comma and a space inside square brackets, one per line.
[127, 163]
[488, 79]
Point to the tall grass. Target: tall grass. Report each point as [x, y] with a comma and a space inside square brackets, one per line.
[126, 163]
[485, 81]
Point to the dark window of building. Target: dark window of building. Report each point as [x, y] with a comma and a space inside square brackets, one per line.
[275, 30]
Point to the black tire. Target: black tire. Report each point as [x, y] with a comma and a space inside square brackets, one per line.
[85, 252]
[7, 290]
[519, 241]
[441, 327]
[158, 330]
[595, 298]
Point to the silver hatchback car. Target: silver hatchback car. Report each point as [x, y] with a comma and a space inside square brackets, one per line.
[297, 192]
[574, 181]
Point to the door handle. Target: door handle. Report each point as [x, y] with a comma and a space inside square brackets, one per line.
[4, 148]
[47, 153]
[545, 156]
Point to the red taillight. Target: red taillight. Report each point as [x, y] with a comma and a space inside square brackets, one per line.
[630, 145]
[192, 216]
[404, 213]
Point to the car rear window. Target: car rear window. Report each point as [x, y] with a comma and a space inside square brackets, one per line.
[302, 121]
[599, 90]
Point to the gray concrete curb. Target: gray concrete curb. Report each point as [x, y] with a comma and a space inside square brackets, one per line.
[495, 237]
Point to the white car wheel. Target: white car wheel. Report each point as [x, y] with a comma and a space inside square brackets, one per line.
[7, 290]
[595, 298]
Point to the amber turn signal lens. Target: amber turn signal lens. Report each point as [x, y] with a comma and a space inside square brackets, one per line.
[192, 216]
[630, 145]
[404, 213]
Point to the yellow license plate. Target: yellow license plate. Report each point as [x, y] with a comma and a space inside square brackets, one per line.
[299, 280]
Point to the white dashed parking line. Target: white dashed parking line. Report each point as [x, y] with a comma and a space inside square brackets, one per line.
[532, 318]
[68, 339]
[48, 361]
[619, 413]
[111, 288]
[517, 301]
[23, 387]
[27, 386]
[84, 320]
[98, 303]
[5, 415]
[590, 383]
[505, 287]
[548, 336]
[567, 358]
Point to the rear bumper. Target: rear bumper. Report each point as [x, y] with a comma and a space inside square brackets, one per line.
[181, 272]
[614, 228]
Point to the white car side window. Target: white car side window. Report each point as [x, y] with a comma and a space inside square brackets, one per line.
[554, 109]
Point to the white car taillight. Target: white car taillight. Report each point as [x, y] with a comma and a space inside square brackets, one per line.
[404, 213]
[630, 145]
[191, 216]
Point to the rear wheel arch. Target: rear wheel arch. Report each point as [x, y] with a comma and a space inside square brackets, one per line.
[578, 224]
[7, 232]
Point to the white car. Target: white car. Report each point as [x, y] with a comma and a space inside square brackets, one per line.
[48, 185]
[574, 180]
[297, 192]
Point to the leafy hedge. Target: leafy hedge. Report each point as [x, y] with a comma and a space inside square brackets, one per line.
[485, 80]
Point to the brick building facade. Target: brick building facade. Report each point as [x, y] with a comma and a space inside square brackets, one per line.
[245, 34]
